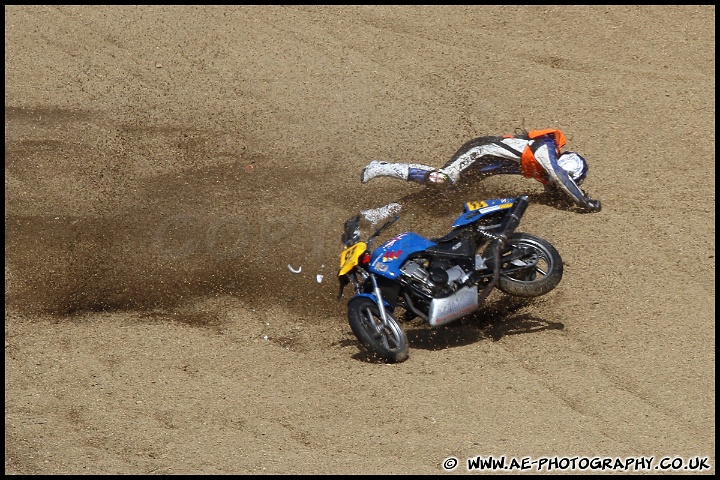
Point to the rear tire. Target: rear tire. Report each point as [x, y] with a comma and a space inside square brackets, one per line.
[544, 271]
[387, 342]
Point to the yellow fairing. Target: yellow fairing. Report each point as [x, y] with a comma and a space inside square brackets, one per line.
[349, 257]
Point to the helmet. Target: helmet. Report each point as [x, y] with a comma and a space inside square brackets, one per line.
[575, 166]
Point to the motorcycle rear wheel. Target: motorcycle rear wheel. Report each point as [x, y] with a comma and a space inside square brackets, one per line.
[533, 281]
[389, 342]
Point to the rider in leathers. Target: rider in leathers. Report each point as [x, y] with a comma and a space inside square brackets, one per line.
[535, 154]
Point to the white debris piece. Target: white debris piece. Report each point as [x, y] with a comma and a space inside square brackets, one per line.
[299, 269]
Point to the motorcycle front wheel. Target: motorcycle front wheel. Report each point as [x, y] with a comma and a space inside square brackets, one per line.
[530, 266]
[388, 342]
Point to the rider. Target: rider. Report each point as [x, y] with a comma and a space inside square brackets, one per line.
[535, 154]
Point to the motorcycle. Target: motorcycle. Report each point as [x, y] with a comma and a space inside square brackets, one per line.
[442, 279]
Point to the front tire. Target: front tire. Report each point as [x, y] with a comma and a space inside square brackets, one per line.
[531, 275]
[387, 342]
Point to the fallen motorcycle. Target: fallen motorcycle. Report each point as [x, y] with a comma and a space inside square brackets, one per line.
[442, 279]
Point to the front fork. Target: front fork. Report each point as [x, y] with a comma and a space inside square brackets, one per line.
[379, 300]
[378, 296]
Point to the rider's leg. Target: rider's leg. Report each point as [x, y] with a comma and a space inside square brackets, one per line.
[412, 172]
[487, 156]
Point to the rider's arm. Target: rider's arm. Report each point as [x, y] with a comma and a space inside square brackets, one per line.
[546, 155]
[576, 194]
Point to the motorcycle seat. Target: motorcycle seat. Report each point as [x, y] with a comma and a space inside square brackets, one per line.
[448, 237]
[458, 247]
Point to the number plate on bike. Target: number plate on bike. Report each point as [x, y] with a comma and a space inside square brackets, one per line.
[349, 257]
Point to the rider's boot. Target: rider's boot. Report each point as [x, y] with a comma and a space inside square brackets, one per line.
[377, 215]
[377, 168]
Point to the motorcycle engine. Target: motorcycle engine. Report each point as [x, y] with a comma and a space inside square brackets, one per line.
[435, 277]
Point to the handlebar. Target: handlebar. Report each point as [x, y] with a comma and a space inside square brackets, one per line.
[380, 230]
